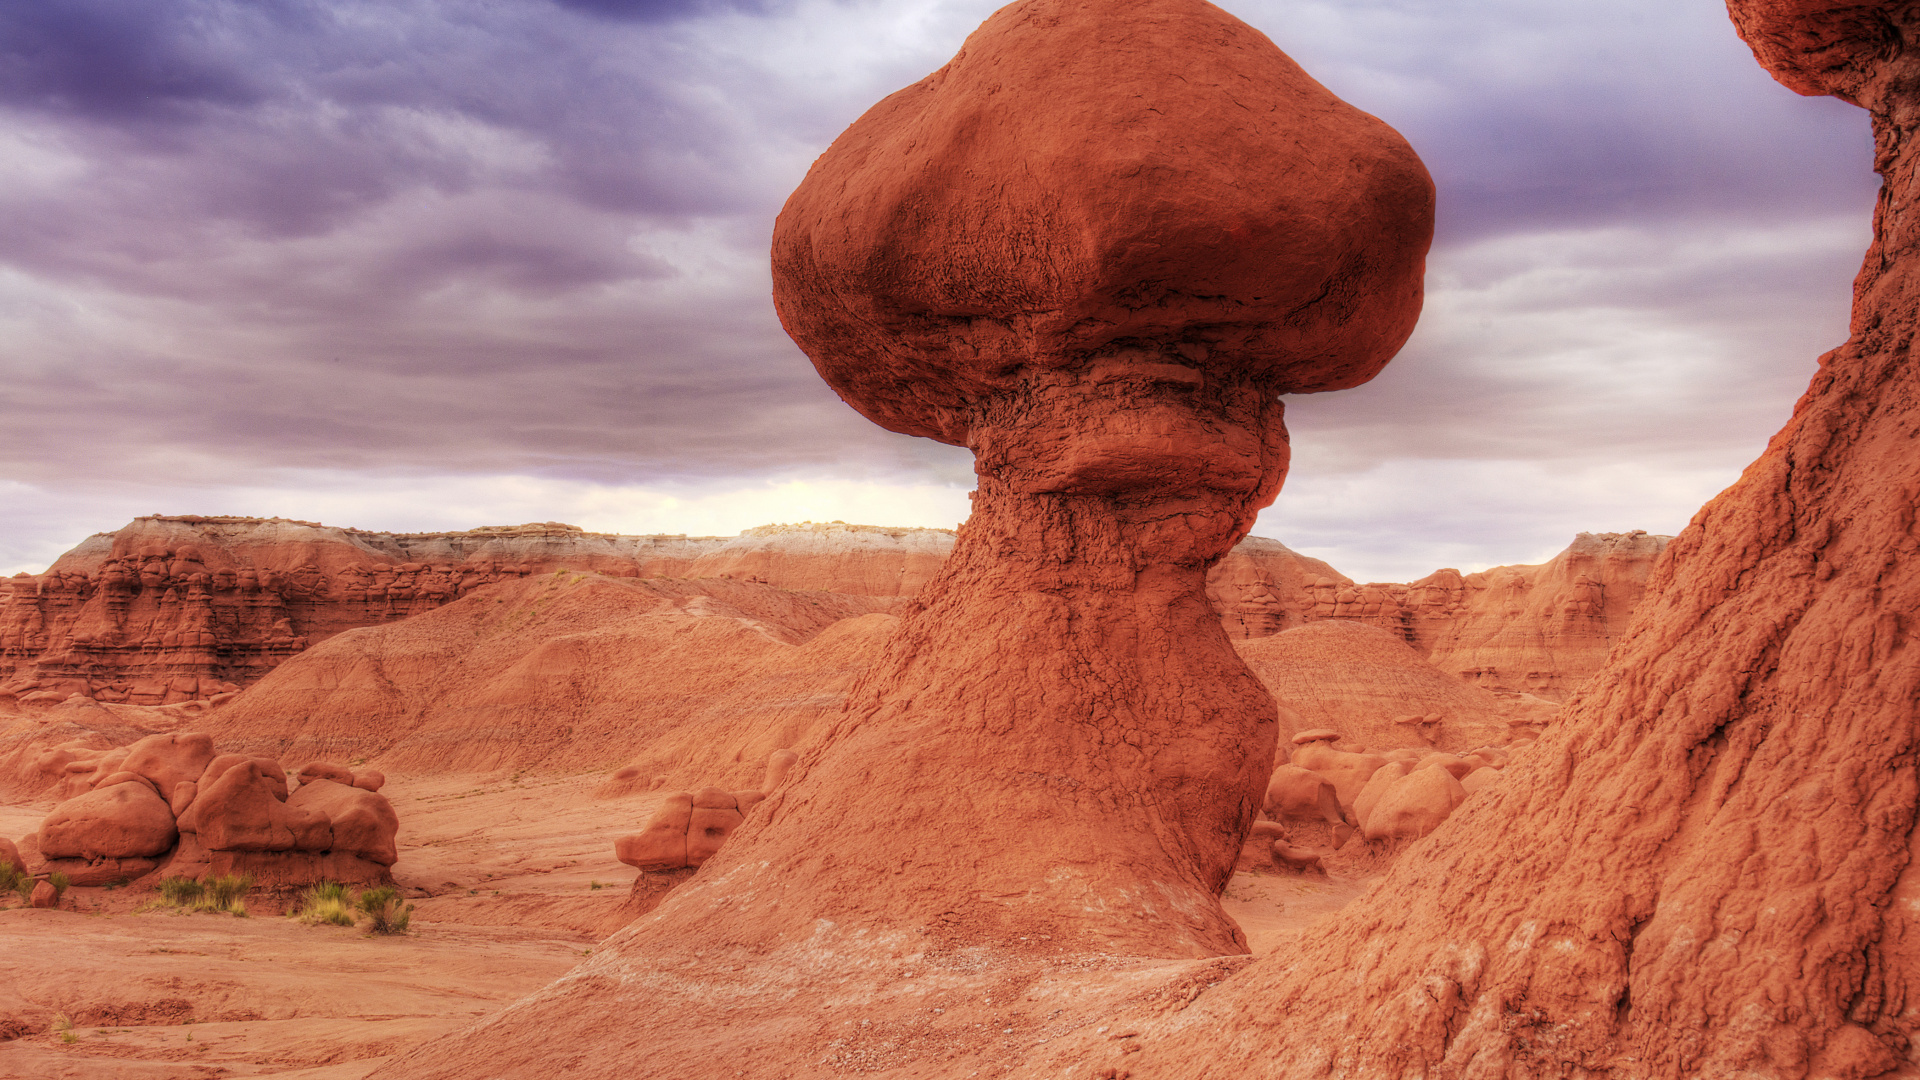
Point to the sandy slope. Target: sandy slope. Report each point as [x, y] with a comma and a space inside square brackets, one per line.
[501, 869]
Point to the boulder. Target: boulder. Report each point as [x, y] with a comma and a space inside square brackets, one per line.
[369, 779]
[1347, 772]
[661, 844]
[125, 777]
[10, 856]
[241, 810]
[714, 816]
[269, 768]
[326, 770]
[363, 822]
[169, 759]
[1415, 805]
[1377, 786]
[1480, 779]
[1457, 767]
[1297, 794]
[120, 821]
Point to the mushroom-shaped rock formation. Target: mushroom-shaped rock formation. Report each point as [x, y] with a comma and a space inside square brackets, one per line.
[1095, 248]
[1708, 866]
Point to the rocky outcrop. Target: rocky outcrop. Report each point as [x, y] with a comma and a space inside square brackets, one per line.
[167, 805]
[1537, 630]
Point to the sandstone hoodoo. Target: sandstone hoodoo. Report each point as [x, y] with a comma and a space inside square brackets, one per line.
[1095, 248]
[1163, 225]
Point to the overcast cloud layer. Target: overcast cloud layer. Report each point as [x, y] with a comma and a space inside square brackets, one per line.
[423, 264]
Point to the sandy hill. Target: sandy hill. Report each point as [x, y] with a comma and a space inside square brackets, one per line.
[571, 672]
[1359, 679]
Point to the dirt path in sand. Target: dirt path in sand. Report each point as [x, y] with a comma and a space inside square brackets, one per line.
[502, 870]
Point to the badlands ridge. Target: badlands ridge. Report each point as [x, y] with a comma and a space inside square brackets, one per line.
[540, 673]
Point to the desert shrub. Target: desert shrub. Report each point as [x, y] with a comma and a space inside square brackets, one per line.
[226, 893]
[60, 883]
[13, 880]
[326, 902]
[385, 914]
[63, 1027]
[181, 891]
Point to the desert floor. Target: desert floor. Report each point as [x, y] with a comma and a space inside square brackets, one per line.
[503, 871]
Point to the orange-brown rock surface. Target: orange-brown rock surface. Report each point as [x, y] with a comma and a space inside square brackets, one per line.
[1050, 251]
[237, 814]
[1538, 630]
[1368, 684]
[1706, 869]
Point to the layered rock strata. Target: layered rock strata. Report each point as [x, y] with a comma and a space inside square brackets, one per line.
[95, 627]
[174, 609]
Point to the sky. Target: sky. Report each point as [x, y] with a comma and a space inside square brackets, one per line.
[436, 264]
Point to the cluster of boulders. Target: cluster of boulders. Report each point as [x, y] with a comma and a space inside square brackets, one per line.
[687, 829]
[1328, 791]
[170, 805]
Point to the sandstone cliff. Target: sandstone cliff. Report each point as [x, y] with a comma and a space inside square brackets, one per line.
[172, 609]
